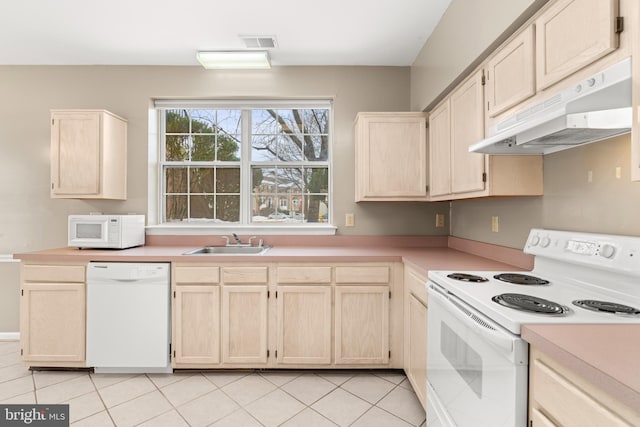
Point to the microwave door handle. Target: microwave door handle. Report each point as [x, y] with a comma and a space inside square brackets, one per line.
[477, 323]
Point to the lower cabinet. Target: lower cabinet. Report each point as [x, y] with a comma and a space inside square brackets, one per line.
[559, 397]
[304, 325]
[284, 316]
[362, 325]
[52, 315]
[415, 330]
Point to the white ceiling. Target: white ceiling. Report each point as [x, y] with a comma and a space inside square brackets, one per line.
[162, 32]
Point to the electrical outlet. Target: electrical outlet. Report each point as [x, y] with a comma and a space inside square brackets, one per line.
[439, 220]
[495, 225]
[590, 176]
[618, 172]
[349, 220]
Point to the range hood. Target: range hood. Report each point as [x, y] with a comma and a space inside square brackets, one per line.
[594, 109]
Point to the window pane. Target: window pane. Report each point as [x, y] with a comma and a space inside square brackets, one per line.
[229, 122]
[177, 148]
[263, 122]
[263, 148]
[203, 121]
[228, 180]
[228, 208]
[289, 180]
[316, 180]
[263, 180]
[201, 180]
[176, 208]
[263, 207]
[316, 121]
[177, 121]
[203, 148]
[316, 148]
[317, 208]
[290, 122]
[228, 148]
[289, 148]
[201, 207]
[176, 180]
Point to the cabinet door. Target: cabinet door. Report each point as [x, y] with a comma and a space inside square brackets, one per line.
[75, 153]
[417, 371]
[362, 325]
[440, 150]
[392, 156]
[510, 74]
[304, 324]
[53, 322]
[467, 127]
[196, 334]
[244, 324]
[572, 34]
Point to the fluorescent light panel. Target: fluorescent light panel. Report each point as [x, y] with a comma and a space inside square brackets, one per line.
[234, 60]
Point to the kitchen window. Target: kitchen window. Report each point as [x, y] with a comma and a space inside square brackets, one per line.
[245, 163]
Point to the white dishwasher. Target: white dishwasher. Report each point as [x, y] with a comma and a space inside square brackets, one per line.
[128, 322]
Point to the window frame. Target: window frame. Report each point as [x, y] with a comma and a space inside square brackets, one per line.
[158, 226]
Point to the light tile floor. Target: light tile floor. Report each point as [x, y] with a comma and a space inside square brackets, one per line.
[234, 399]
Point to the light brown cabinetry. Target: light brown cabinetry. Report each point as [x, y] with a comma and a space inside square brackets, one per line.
[560, 397]
[196, 316]
[304, 324]
[52, 315]
[415, 330]
[510, 73]
[391, 156]
[572, 34]
[362, 315]
[88, 155]
[472, 174]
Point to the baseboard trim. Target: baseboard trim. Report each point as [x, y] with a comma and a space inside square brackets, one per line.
[9, 336]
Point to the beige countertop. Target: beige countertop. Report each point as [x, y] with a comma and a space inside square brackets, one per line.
[606, 355]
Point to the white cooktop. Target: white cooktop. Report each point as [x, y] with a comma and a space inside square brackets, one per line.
[577, 266]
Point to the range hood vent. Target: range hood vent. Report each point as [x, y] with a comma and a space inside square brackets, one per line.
[595, 109]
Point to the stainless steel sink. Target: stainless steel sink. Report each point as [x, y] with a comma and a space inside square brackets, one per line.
[229, 250]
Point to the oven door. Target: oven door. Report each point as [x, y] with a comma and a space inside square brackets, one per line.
[476, 370]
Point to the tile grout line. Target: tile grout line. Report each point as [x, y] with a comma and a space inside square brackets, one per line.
[167, 399]
[101, 400]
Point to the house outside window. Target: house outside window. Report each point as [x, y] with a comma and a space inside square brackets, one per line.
[245, 163]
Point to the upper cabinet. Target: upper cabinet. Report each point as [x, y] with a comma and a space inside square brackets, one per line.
[391, 156]
[510, 74]
[572, 34]
[88, 155]
[455, 173]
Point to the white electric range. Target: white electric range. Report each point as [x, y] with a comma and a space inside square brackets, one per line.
[476, 360]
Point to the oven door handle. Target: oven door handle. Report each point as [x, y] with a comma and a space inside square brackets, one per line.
[474, 320]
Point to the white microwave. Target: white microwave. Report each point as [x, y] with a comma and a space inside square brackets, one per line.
[106, 231]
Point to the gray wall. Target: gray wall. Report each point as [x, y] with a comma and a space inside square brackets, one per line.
[604, 205]
[31, 220]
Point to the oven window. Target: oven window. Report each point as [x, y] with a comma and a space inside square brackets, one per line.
[465, 360]
[88, 231]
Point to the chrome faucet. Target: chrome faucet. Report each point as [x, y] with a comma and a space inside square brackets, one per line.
[238, 242]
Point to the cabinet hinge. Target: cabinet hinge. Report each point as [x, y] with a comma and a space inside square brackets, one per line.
[21, 352]
[427, 189]
[484, 79]
[52, 185]
[276, 354]
[389, 354]
[174, 354]
[267, 354]
[530, 423]
[619, 24]
[174, 294]
[268, 293]
[52, 120]
[484, 177]
[276, 298]
[389, 294]
[22, 292]
[169, 349]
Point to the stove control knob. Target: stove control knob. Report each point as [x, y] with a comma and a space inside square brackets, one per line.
[535, 240]
[607, 251]
[545, 242]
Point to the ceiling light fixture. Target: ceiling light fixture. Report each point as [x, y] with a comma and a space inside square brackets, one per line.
[234, 60]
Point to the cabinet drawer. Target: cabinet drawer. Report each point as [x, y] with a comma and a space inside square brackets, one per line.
[197, 274]
[363, 274]
[417, 285]
[567, 404]
[244, 274]
[54, 273]
[304, 274]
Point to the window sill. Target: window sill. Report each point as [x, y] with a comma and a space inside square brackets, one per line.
[265, 230]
